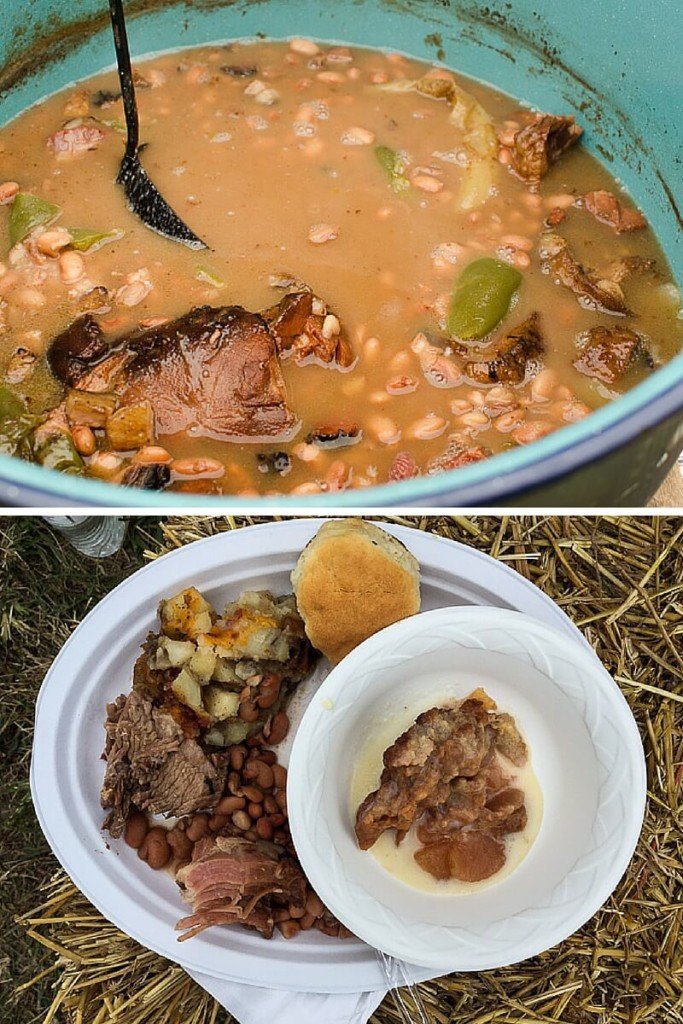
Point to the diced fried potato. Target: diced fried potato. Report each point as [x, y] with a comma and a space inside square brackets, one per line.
[256, 600]
[224, 671]
[172, 653]
[185, 615]
[235, 732]
[187, 690]
[221, 703]
[203, 662]
[214, 737]
[131, 427]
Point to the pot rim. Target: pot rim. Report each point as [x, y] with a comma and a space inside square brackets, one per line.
[481, 483]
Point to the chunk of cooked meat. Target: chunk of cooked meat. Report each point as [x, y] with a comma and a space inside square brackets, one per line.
[229, 880]
[624, 266]
[213, 370]
[512, 356]
[152, 766]
[540, 143]
[606, 208]
[558, 261]
[76, 349]
[609, 352]
[305, 329]
[444, 743]
[507, 740]
[459, 452]
[470, 856]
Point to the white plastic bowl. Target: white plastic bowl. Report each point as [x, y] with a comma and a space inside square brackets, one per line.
[585, 750]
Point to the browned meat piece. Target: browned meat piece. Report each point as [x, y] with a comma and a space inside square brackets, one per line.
[606, 208]
[458, 453]
[511, 357]
[304, 328]
[152, 766]
[507, 740]
[540, 143]
[469, 856]
[475, 855]
[608, 352]
[558, 261]
[228, 880]
[76, 349]
[214, 370]
[418, 768]
[621, 268]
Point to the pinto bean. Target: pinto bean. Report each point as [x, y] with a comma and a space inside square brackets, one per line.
[151, 453]
[198, 827]
[217, 822]
[281, 800]
[237, 756]
[84, 440]
[267, 756]
[248, 711]
[268, 691]
[279, 776]
[314, 905]
[8, 190]
[277, 820]
[264, 829]
[289, 928]
[136, 829]
[269, 805]
[180, 843]
[278, 728]
[158, 848]
[230, 804]
[260, 772]
[254, 810]
[241, 820]
[253, 794]
[71, 267]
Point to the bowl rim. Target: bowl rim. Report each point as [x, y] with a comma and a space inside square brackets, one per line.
[301, 796]
[604, 431]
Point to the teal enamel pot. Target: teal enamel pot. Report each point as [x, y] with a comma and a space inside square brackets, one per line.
[615, 65]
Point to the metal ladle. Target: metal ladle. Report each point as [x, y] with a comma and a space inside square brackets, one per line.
[143, 197]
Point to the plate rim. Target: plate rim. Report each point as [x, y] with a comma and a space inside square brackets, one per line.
[460, 614]
[299, 526]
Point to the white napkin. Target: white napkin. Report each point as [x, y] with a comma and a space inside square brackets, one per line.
[251, 1005]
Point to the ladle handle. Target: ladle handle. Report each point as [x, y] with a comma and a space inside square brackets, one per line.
[130, 107]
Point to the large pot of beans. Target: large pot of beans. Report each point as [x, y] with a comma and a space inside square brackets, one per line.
[441, 248]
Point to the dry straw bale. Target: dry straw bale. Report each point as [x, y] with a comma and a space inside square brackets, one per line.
[621, 581]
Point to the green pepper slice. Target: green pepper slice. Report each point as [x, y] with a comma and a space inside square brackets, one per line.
[28, 211]
[16, 424]
[86, 240]
[393, 166]
[58, 452]
[481, 297]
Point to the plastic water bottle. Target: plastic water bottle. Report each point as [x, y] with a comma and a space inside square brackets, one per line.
[95, 536]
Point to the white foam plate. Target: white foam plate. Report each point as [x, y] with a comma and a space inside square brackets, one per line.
[95, 665]
[584, 748]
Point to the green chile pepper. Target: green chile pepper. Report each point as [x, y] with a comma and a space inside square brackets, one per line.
[392, 165]
[85, 240]
[16, 424]
[58, 452]
[481, 298]
[27, 213]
